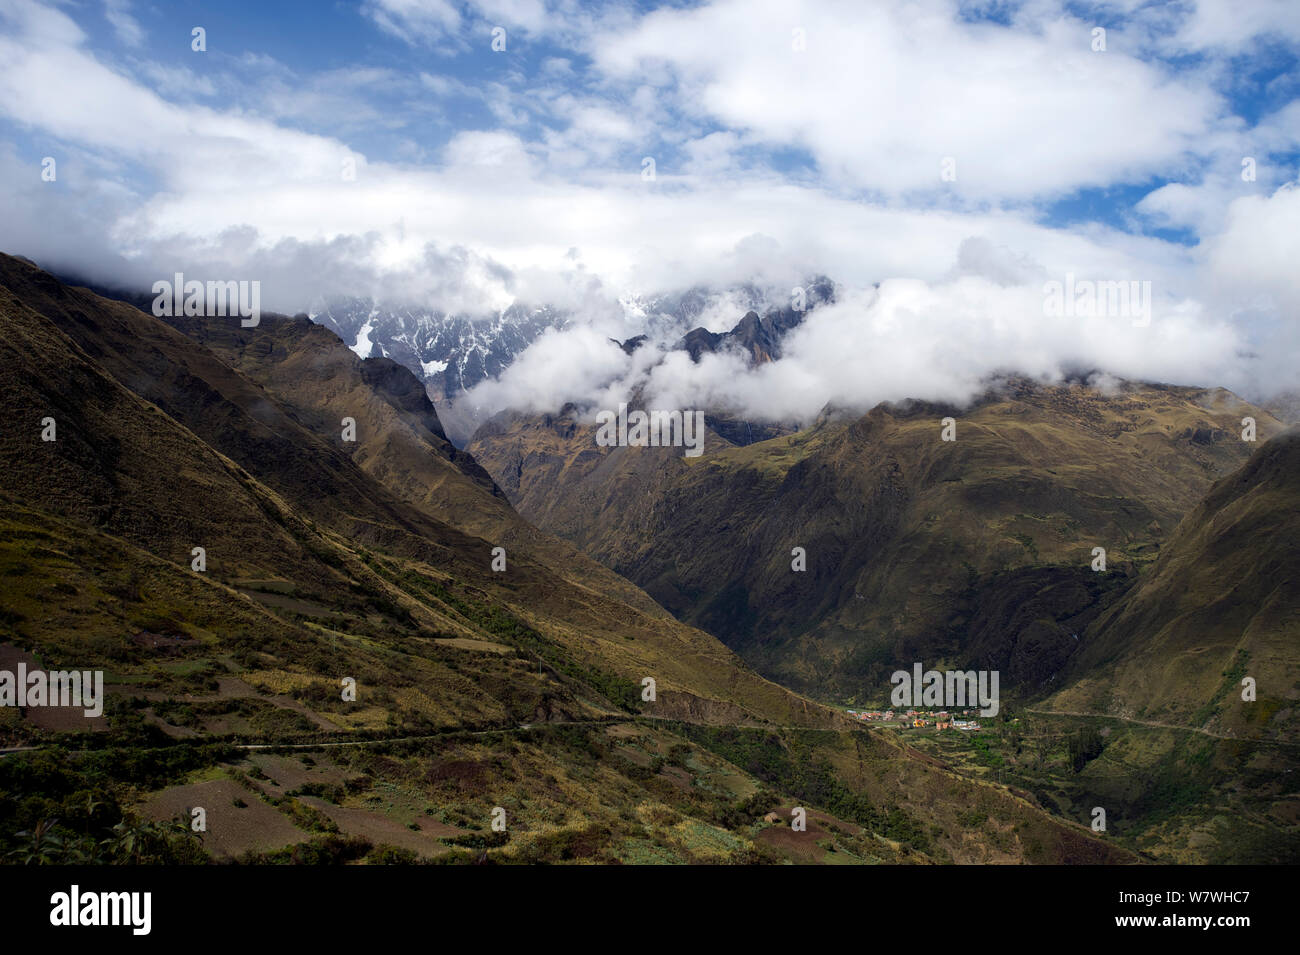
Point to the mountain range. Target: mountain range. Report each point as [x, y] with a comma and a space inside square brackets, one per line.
[233, 523]
[1123, 556]
[906, 535]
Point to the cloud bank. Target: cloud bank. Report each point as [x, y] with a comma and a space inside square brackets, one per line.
[941, 160]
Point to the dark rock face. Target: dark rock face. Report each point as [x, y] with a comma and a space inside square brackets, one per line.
[741, 431]
[1028, 623]
[698, 341]
[758, 337]
[401, 387]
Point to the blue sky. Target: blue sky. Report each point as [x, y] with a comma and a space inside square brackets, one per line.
[954, 149]
[1260, 81]
[326, 50]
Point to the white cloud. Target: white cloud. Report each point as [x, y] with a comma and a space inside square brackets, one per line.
[150, 181]
[417, 20]
[939, 340]
[1258, 252]
[127, 28]
[883, 93]
[1231, 24]
[556, 367]
[176, 82]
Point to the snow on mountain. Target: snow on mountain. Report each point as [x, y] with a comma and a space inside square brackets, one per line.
[451, 353]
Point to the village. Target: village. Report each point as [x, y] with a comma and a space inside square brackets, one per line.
[939, 719]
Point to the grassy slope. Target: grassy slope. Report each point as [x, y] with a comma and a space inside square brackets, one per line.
[906, 535]
[317, 570]
[278, 457]
[1219, 605]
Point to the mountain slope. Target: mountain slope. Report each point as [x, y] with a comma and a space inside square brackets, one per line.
[1221, 603]
[909, 539]
[318, 571]
[321, 492]
[399, 441]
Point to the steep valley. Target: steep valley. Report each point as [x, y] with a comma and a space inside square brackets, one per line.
[310, 638]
